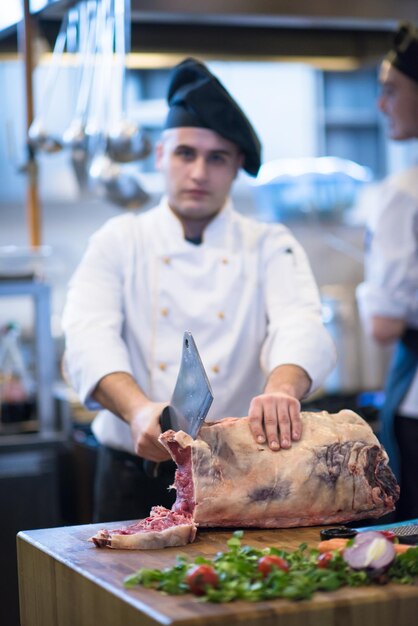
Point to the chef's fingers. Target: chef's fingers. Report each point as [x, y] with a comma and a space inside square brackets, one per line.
[283, 418]
[295, 421]
[145, 428]
[255, 416]
[149, 448]
[271, 421]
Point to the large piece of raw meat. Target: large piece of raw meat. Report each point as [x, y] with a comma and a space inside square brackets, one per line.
[162, 529]
[337, 472]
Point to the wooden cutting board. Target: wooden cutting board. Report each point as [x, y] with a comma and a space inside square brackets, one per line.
[65, 581]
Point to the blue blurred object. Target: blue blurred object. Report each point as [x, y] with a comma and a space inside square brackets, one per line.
[371, 398]
[409, 522]
[294, 188]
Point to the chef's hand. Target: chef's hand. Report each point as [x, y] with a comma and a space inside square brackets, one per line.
[386, 330]
[275, 418]
[120, 393]
[145, 429]
[275, 414]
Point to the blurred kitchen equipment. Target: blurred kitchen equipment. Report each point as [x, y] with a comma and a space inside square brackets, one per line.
[100, 137]
[75, 136]
[126, 141]
[112, 184]
[39, 292]
[107, 177]
[101, 31]
[17, 398]
[23, 262]
[321, 187]
[39, 137]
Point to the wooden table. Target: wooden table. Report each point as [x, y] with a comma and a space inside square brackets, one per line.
[65, 581]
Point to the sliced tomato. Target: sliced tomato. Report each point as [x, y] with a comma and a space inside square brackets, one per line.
[324, 559]
[200, 577]
[267, 563]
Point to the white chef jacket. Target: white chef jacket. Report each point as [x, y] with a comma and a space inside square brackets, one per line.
[246, 293]
[391, 262]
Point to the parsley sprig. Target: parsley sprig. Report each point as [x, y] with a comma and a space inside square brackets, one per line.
[240, 579]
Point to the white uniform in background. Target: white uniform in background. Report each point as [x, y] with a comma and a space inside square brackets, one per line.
[391, 262]
[246, 293]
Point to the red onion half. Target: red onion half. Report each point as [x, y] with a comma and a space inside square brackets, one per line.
[370, 551]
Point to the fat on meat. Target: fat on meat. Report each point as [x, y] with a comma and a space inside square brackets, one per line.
[162, 529]
[338, 472]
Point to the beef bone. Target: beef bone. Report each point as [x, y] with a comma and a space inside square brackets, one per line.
[338, 472]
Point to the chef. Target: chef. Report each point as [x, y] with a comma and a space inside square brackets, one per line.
[244, 289]
[388, 299]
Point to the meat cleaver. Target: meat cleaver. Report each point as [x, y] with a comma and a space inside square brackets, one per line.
[191, 399]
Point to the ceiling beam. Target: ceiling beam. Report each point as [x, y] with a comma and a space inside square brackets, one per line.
[250, 42]
[222, 42]
[360, 29]
[355, 14]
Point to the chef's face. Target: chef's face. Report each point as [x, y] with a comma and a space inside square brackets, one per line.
[399, 102]
[199, 167]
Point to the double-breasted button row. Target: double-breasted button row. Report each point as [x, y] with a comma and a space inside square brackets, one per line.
[164, 312]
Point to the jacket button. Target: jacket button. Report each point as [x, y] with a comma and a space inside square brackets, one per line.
[215, 369]
[162, 367]
[225, 261]
[221, 315]
[164, 311]
[166, 260]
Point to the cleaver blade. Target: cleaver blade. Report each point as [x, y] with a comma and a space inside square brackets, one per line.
[191, 399]
[192, 395]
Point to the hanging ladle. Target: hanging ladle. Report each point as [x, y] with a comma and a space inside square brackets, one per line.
[75, 137]
[126, 142]
[116, 186]
[106, 176]
[39, 139]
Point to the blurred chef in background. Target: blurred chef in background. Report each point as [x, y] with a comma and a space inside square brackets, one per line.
[388, 299]
[244, 289]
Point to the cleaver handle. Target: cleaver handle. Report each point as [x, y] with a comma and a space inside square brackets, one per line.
[151, 468]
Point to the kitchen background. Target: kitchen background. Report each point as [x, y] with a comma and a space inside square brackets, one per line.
[308, 82]
[300, 113]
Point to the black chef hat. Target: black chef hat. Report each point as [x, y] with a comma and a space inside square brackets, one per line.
[196, 98]
[404, 53]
